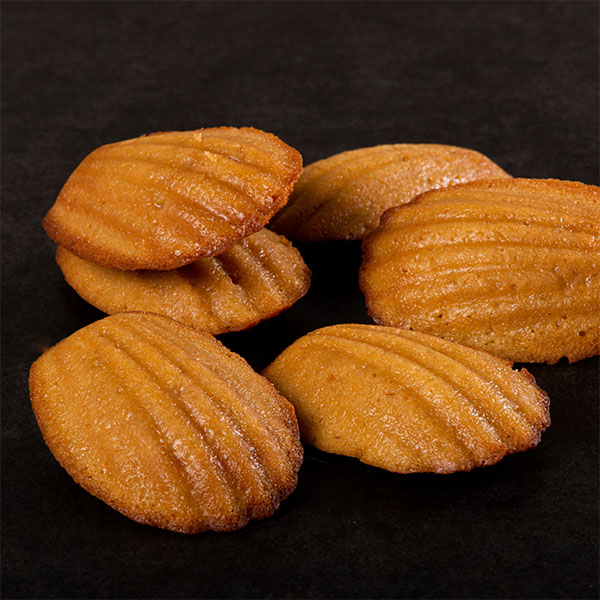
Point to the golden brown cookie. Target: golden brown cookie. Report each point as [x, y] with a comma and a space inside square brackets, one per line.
[342, 197]
[166, 425]
[406, 401]
[511, 266]
[255, 280]
[164, 200]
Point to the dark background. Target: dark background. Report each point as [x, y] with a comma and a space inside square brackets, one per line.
[516, 81]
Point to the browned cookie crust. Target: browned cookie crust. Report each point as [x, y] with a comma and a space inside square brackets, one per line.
[342, 197]
[406, 401]
[164, 200]
[255, 280]
[511, 266]
[166, 425]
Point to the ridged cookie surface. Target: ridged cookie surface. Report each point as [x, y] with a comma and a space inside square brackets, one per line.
[342, 197]
[165, 424]
[164, 200]
[256, 279]
[511, 266]
[406, 401]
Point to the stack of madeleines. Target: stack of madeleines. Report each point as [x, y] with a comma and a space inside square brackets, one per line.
[172, 223]
[465, 269]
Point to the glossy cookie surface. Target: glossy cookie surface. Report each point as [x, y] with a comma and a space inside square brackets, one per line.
[343, 197]
[164, 200]
[165, 424]
[406, 401]
[511, 266]
[256, 279]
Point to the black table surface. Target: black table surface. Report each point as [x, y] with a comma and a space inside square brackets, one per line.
[516, 81]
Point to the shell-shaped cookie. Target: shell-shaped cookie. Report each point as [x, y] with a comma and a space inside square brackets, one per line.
[166, 425]
[511, 266]
[164, 200]
[255, 280]
[406, 401]
[342, 197]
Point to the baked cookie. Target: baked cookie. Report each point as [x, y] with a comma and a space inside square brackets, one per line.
[511, 266]
[255, 280]
[161, 201]
[166, 425]
[342, 197]
[406, 401]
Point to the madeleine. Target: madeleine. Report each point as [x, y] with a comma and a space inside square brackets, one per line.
[406, 401]
[511, 266]
[343, 197]
[166, 425]
[164, 200]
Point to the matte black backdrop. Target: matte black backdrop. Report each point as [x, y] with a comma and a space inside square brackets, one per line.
[516, 81]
